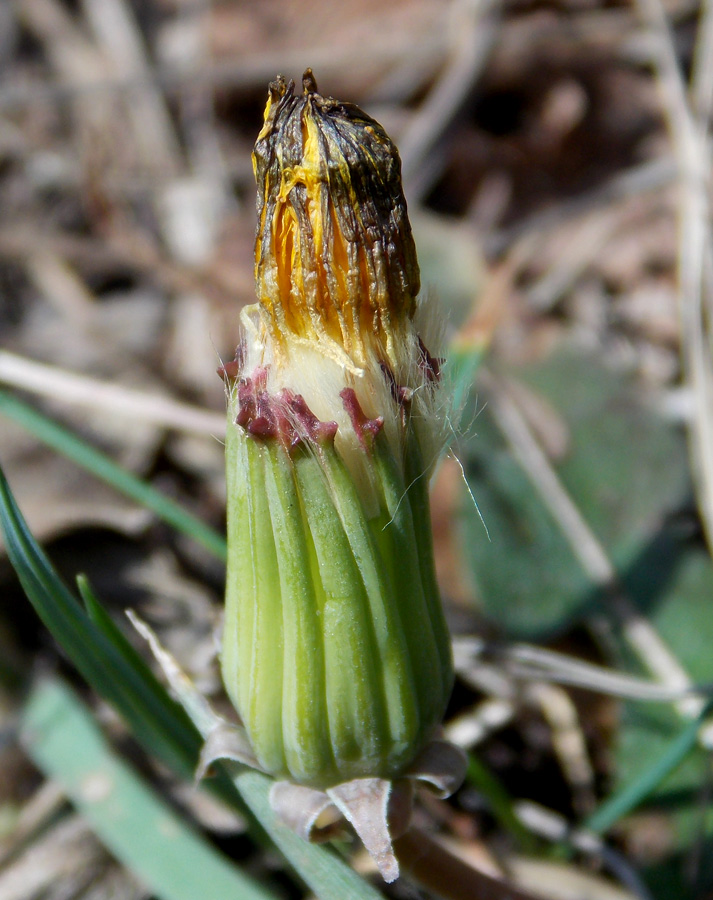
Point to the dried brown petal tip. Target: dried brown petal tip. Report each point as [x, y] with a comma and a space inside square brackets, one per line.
[309, 83]
[335, 258]
[279, 87]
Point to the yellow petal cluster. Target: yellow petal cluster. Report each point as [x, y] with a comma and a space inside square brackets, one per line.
[335, 260]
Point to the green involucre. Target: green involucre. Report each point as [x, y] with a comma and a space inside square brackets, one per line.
[335, 651]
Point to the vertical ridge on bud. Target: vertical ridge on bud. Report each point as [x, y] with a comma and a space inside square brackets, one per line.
[355, 704]
[335, 649]
[366, 538]
[253, 611]
[303, 712]
[400, 550]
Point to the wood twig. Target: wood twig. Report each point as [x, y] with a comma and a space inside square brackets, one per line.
[638, 632]
[79, 390]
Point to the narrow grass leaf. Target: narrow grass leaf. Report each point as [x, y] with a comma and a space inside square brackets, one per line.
[101, 466]
[157, 721]
[638, 789]
[479, 776]
[464, 359]
[139, 828]
[130, 656]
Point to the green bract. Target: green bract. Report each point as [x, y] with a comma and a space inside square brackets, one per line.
[335, 650]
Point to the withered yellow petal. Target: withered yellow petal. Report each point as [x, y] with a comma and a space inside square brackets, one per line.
[335, 258]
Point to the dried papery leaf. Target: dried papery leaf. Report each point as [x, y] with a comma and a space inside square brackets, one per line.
[378, 809]
[195, 704]
[441, 767]
[225, 741]
[366, 803]
[310, 813]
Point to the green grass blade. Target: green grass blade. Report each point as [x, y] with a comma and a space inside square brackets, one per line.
[101, 466]
[157, 721]
[636, 791]
[139, 828]
[464, 358]
[131, 657]
[482, 779]
[221, 786]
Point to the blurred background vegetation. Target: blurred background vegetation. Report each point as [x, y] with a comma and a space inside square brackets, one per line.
[556, 161]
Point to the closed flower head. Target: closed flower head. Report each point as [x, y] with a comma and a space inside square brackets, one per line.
[335, 259]
[335, 650]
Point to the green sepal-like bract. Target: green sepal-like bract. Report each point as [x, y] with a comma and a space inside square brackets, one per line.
[335, 652]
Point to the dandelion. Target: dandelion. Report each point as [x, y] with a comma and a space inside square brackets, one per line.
[335, 649]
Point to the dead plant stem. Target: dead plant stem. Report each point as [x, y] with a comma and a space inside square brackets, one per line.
[444, 874]
[638, 632]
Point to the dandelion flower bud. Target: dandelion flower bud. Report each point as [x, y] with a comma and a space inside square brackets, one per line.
[335, 650]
